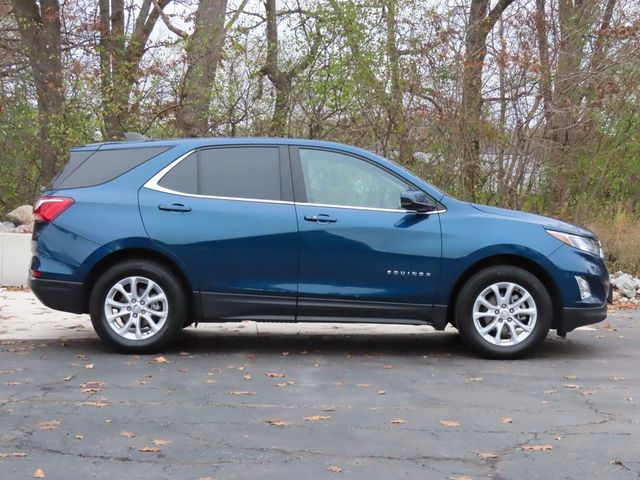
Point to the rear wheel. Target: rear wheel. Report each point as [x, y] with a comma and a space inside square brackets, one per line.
[503, 312]
[138, 306]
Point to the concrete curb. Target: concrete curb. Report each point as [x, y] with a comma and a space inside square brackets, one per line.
[15, 254]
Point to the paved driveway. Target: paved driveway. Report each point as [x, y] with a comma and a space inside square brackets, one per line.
[313, 402]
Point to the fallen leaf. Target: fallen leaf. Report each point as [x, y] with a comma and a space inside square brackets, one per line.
[285, 354]
[49, 424]
[474, 379]
[211, 381]
[79, 437]
[247, 377]
[317, 418]
[571, 377]
[589, 392]
[334, 469]
[571, 385]
[398, 421]
[275, 375]
[276, 422]
[381, 392]
[90, 366]
[547, 392]
[506, 420]
[461, 477]
[99, 404]
[127, 434]
[13, 384]
[387, 367]
[616, 379]
[12, 454]
[488, 454]
[537, 448]
[149, 449]
[160, 443]
[39, 474]
[449, 423]
[241, 392]
[183, 370]
[616, 462]
[363, 385]
[66, 379]
[284, 384]
[159, 360]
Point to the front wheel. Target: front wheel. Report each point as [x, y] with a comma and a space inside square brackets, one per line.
[503, 312]
[137, 306]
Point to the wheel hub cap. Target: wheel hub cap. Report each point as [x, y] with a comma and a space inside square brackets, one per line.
[136, 308]
[504, 314]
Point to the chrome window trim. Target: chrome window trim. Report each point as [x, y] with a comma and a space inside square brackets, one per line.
[152, 184]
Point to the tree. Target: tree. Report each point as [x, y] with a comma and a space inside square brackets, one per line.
[39, 26]
[282, 80]
[481, 22]
[120, 56]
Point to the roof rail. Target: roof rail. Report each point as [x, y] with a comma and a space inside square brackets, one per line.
[134, 137]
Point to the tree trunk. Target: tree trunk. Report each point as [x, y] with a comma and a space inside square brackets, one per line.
[204, 52]
[39, 26]
[120, 60]
[575, 22]
[481, 22]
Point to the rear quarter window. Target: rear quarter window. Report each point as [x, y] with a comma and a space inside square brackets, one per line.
[86, 169]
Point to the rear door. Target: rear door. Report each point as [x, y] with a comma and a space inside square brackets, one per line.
[227, 215]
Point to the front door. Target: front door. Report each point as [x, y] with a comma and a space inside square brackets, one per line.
[227, 215]
[361, 255]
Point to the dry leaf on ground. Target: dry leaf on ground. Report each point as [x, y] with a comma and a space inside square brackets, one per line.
[39, 474]
[159, 360]
[488, 454]
[537, 448]
[12, 454]
[334, 469]
[506, 420]
[616, 379]
[49, 424]
[242, 393]
[276, 422]
[160, 443]
[450, 423]
[127, 434]
[399, 421]
[317, 418]
[90, 366]
[275, 375]
[149, 449]
[99, 404]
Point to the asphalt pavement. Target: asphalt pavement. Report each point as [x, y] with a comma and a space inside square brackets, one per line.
[305, 401]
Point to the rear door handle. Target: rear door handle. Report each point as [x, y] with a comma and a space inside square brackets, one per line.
[175, 207]
[320, 218]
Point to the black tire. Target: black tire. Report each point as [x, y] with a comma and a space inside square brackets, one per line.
[176, 306]
[477, 285]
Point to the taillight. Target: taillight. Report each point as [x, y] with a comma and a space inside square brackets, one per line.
[47, 209]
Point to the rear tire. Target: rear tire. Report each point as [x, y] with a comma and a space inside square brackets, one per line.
[138, 306]
[503, 312]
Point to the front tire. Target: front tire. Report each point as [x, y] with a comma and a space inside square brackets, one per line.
[503, 312]
[138, 306]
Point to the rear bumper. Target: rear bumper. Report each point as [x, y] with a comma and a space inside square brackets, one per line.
[59, 295]
[573, 318]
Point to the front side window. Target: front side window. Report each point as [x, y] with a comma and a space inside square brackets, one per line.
[235, 172]
[333, 178]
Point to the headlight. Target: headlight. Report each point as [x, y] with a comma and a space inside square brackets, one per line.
[586, 244]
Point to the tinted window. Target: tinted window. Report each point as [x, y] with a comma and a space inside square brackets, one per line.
[104, 165]
[246, 172]
[336, 179]
[183, 177]
[238, 172]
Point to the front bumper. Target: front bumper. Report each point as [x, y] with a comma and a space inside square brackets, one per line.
[573, 318]
[59, 295]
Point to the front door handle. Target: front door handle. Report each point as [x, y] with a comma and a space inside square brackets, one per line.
[320, 218]
[174, 207]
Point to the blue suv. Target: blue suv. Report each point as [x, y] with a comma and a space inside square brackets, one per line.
[150, 236]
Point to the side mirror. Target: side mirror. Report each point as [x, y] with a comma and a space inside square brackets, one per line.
[417, 201]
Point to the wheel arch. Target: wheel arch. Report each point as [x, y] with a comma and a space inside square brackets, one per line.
[136, 254]
[515, 261]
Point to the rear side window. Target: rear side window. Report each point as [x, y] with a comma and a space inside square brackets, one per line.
[238, 172]
[86, 169]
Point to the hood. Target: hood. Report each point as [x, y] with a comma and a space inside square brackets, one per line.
[547, 222]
